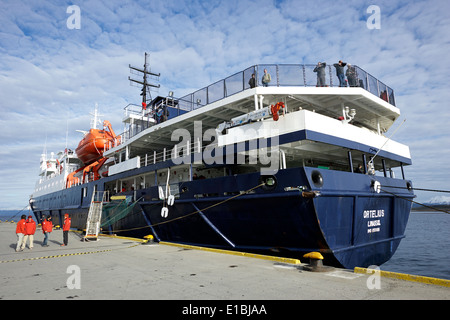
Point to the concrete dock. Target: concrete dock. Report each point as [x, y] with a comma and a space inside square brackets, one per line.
[120, 268]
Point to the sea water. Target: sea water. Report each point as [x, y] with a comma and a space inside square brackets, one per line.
[14, 215]
[424, 251]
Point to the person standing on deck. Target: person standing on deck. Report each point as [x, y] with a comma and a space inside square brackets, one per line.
[351, 76]
[266, 78]
[20, 232]
[320, 69]
[30, 229]
[252, 81]
[340, 73]
[66, 228]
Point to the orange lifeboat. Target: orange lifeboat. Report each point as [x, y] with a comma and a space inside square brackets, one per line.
[91, 147]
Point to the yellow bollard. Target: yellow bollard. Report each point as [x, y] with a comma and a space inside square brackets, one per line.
[315, 262]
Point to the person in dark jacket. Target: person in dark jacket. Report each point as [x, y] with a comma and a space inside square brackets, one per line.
[351, 76]
[340, 72]
[320, 69]
[252, 81]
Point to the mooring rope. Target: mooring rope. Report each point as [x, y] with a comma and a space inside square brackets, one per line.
[424, 205]
[420, 189]
[10, 218]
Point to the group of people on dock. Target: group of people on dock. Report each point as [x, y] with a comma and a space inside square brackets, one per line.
[26, 228]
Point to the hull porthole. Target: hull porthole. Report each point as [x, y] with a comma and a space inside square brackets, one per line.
[317, 179]
[270, 182]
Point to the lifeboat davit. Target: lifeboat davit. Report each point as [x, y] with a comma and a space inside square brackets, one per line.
[91, 147]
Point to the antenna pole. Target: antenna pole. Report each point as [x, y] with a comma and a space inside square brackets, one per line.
[144, 90]
[144, 82]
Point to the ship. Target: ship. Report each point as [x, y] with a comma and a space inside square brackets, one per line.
[283, 168]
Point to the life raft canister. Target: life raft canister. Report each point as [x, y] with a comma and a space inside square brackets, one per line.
[275, 108]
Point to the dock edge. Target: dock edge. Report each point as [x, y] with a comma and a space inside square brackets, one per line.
[406, 277]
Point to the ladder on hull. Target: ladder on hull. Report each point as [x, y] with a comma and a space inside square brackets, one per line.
[94, 216]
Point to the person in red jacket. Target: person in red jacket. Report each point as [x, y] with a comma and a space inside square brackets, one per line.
[20, 232]
[66, 228]
[47, 227]
[30, 229]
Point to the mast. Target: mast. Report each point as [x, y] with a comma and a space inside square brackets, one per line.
[95, 120]
[145, 84]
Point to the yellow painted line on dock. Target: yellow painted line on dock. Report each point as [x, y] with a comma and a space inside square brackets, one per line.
[81, 253]
[56, 256]
[406, 277]
[236, 253]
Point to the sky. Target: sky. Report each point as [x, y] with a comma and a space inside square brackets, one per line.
[52, 75]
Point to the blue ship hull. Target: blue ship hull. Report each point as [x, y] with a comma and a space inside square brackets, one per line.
[340, 216]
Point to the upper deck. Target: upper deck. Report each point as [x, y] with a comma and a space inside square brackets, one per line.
[284, 75]
[295, 85]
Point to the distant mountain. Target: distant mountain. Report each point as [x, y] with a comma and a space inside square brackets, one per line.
[438, 202]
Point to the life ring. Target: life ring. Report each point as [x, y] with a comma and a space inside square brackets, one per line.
[275, 108]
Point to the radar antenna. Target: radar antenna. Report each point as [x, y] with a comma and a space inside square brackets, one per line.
[145, 84]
